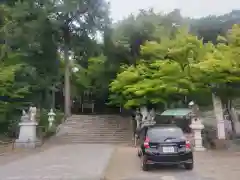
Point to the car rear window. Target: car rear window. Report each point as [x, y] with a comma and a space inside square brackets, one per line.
[156, 133]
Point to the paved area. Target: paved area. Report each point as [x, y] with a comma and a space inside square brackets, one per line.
[93, 161]
[68, 162]
[125, 165]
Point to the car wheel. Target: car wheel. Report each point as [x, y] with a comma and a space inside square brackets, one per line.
[145, 166]
[188, 166]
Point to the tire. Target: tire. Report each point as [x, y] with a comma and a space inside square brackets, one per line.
[145, 167]
[189, 166]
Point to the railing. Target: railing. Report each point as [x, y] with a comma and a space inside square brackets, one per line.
[6, 146]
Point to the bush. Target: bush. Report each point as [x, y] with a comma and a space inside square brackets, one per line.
[209, 134]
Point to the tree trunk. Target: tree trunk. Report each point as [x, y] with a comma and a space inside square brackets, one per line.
[218, 110]
[67, 96]
[53, 99]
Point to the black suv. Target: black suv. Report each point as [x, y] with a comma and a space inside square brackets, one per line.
[164, 145]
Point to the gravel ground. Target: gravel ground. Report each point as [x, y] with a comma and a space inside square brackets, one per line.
[218, 165]
[68, 162]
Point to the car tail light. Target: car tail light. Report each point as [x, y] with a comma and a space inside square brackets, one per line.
[146, 143]
[188, 145]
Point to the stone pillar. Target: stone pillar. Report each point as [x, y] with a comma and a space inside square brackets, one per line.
[138, 119]
[144, 112]
[236, 122]
[152, 115]
[197, 127]
[27, 134]
[217, 105]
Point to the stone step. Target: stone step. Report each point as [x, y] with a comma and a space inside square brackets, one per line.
[93, 126]
[127, 121]
[94, 141]
[80, 119]
[98, 127]
[94, 129]
[95, 136]
[98, 134]
[99, 124]
[76, 131]
[97, 130]
[90, 138]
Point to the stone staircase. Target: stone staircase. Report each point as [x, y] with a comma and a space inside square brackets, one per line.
[111, 129]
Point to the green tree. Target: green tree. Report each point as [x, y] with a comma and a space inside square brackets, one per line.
[39, 29]
[164, 73]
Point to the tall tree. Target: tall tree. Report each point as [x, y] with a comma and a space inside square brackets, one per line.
[39, 29]
[77, 18]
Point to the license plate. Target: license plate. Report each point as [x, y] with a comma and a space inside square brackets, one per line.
[168, 149]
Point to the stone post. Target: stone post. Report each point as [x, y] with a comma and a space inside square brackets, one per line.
[196, 127]
[51, 118]
[236, 123]
[27, 134]
[145, 115]
[152, 114]
[217, 105]
[138, 119]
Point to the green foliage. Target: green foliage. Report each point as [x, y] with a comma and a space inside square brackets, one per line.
[165, 75]
[32, 36]
[178, 67]
[10, 90]
[94, 78]
[150, 58]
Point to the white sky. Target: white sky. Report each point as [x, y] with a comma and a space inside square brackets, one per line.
[192, 8]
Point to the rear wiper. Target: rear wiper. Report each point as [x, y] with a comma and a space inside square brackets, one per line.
[169, 138]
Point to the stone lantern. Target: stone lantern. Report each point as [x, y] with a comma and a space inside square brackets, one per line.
[51, 118]
[196, 127]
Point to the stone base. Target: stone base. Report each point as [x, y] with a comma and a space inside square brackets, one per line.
[221, 144]
[26, 144]
[199, 148]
